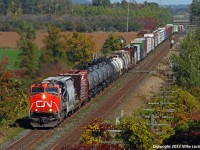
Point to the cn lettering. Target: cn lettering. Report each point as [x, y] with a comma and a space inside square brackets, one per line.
[43, 104]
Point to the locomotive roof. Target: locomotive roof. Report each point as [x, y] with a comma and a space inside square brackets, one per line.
[56, 79]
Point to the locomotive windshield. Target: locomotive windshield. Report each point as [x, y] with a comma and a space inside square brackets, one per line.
[37, 90]
[52, 90]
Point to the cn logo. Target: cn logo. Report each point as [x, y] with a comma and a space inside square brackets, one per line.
[43, 104]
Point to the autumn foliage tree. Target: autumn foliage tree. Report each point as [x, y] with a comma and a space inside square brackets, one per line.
[185, 105]
[79, 49]
[135, 133]
[186, 117]
[13, 99]
[28, 47]
[96, 132]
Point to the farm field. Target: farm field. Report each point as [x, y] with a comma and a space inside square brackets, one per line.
[8, 46]
[12, 55]
[9, 39]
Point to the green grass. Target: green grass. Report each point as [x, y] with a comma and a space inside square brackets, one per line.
[12, 55]
[13, 60]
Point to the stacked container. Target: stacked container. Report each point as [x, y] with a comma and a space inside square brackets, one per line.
[180, 28]
[156, 37]
[163, 33]
[140, 45]
[175, 28]
[150, 41]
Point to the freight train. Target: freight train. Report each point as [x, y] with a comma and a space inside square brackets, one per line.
[55, 98]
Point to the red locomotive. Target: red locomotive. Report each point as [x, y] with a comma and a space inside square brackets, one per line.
[53, 99]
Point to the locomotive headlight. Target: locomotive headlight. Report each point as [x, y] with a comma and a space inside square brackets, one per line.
[36, 109]
[50, 109]
[43, 96]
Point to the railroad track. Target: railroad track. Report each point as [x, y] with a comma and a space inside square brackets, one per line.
[109, 106]
[28, 140]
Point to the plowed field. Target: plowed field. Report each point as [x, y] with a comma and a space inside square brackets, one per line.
[9, 39]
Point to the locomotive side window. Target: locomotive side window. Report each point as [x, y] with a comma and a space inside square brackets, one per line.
[52, 90]
[37, 90]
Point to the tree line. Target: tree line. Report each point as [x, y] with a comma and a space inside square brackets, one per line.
[100, 15]
[74, 50]
[195, 8]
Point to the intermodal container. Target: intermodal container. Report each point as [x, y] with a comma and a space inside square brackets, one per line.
[163, 34]
[156, 36]
[150, 41]
[143, 46]
[175, 28]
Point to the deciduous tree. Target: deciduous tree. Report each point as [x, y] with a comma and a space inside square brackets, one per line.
[13, 100]
[135, 133]
[28, 47]
[79, 48]
[187, 64]
[96, 132]
[112, 43]
[195, 7]
[54, 47]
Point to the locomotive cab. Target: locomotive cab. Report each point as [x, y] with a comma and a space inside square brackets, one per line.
[44, 104]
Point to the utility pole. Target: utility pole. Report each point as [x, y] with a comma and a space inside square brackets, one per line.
[127, 18]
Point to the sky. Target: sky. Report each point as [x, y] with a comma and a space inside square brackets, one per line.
[162, 2]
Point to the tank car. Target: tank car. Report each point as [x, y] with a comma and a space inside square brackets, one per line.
[99, 76]
[116, 68]
[125, 57]
[119, 64]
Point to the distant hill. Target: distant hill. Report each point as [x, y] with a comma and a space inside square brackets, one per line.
[178, 9]
[81, 1]
[176, 6]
